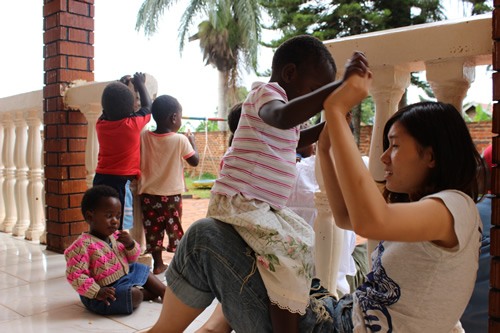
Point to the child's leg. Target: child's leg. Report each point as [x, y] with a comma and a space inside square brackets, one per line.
[137, 297]
[175, 316]
[173, 224]
[217, 323]
[153, 288]
[154, 228]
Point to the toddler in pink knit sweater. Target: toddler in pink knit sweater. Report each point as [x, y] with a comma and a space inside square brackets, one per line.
[101, 264]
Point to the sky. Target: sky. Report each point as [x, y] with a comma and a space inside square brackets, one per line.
[120, 49]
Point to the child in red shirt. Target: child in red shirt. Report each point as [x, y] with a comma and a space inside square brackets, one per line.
[118, 132]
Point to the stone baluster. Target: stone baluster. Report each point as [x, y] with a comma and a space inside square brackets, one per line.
[21, 174]
[9, 169]
[91, 112]
[2, 175]
[450, 80]
[329, 238]
[35, 177]
[389, 84]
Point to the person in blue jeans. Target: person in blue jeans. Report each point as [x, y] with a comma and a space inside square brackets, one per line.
[475, 317]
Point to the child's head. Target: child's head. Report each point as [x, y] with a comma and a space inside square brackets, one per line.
[117, 101]
[167, 112]
[302, 64]
[101, 208]
[444, 145]
[233, 119]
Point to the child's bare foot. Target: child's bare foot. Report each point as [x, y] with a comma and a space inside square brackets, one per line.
[160, 269]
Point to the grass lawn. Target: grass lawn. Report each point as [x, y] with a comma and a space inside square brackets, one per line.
[197, 192]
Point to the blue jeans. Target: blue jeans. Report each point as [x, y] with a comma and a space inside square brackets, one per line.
[212, 260]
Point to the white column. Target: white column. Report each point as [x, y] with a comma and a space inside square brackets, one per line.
[2, 175]
[389, 84]
[35, 177]
[91, 112]
[21, 174]
[450, 80]
[329, 238]
[9, 168]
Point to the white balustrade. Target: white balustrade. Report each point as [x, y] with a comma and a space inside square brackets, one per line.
[10, 173]
[36, 195]
[448, 51]
[21, 175]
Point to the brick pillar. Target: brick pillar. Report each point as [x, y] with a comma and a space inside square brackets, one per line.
[68, 56]
[494, 296]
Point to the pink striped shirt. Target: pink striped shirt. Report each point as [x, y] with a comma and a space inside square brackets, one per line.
[261, 163]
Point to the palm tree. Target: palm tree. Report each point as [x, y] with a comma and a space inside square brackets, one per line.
[229, 36]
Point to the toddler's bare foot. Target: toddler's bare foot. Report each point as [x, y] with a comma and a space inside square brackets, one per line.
[160, 269]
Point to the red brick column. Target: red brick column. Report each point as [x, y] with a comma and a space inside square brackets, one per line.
[68, 56]
[494, 297]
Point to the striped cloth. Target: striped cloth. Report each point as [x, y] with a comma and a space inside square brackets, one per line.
[261, 164]
[257, 177]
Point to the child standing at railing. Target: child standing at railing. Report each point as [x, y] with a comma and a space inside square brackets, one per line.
[118, 132]
[163, 152]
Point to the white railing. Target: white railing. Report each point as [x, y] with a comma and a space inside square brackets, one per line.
[448, 51]
[21, 178]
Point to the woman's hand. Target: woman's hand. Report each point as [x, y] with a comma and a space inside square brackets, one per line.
[349, 94]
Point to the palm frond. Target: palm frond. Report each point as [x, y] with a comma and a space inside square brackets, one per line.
[193, 9]
[149, 14]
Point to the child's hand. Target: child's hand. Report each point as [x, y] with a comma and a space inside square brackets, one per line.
[106, 293]
[358, 64]
[139, 78]
[349, 94]
[126, 240]
[190, 136]
[126, 79]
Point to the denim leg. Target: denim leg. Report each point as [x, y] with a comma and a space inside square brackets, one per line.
[212, 260]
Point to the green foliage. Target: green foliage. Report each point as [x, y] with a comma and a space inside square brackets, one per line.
[207, 125]
[481, 114]
[367, 111]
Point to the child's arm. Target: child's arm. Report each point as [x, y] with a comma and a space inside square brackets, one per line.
[132, 247]
[139, 81]
[78, 272]
[310, 135]
[287, 115]
[194, 159]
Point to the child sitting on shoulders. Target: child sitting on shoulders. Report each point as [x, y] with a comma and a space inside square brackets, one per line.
[259, 172]
[118, 132]
[163, 152]
[101, 263]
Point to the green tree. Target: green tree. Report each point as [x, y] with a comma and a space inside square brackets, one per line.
[340, 18]
[229, 34]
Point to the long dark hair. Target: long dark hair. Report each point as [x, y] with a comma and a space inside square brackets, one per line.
[440, 126]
